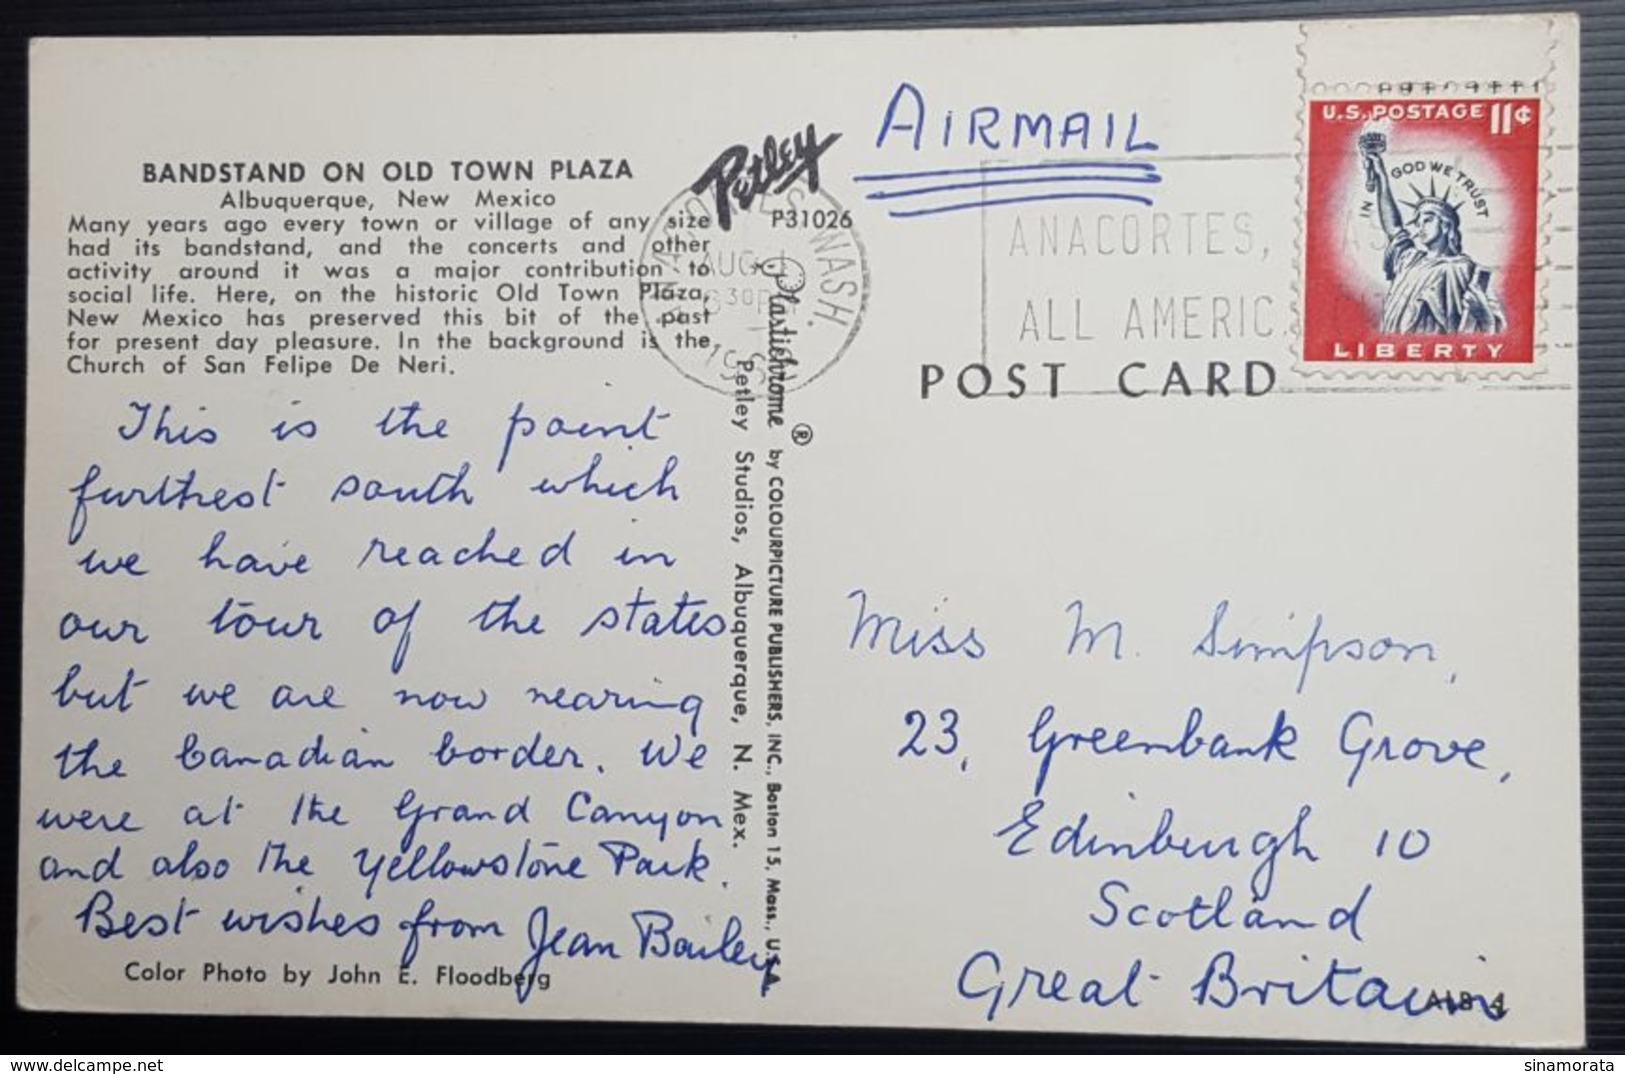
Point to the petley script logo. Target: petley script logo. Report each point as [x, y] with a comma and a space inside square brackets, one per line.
[739, 177]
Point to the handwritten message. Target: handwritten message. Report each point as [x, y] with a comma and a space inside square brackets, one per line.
[848, 561]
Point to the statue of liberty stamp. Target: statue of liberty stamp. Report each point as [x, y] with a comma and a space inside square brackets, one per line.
[1420, 244]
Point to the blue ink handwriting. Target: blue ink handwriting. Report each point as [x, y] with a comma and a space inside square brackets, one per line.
[628, 558]
[199, 696]
[67, 694]
[93, 562]
[456, 928]
[388, 619]
[627, 858]
[86, 820]
[657, 938]
[523, 426]
[1314, 647]
[73, 762]
[422, 864]
[298, 921]
[1357, 740]
[547, 940]
[98, 917]
[561, 697]
[532, 754]
[1089, 636]
[1191, 743]
[72, 624]
[504, 617]
[162, 431]
[444, 487]
[284, 696]
[177, 491]
[889, 635]
[587, 484]
[485, 553]
[580, 808]
[235, 620]
[248, 562]
[640, 617]
[408, 809]
[1340, 985]
[191, 865]
[402, 421]
[1074, 839]
[103, 869]
[440, 699]
[193, 756]
[982, 978]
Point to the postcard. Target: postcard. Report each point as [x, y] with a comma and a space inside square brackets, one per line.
[1045, 529]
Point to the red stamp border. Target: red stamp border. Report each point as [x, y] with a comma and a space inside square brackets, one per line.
[1377, 294]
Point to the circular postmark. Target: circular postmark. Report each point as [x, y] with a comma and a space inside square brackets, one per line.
[764, 306]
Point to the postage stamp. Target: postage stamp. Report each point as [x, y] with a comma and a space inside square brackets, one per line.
[1420, 239]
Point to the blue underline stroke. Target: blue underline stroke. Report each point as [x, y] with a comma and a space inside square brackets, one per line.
[883, 195]
[1025, 199]
[990, 169]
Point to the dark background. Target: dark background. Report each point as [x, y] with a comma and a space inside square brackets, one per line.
[1602, 484]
